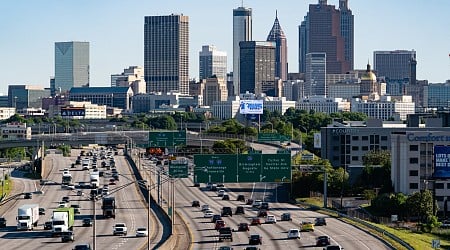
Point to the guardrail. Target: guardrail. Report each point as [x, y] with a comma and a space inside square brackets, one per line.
[366, 224]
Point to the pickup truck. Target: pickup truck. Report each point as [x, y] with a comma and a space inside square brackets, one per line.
[225, 233]
[120, 229]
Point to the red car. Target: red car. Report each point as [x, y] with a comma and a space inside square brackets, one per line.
[219, 224]
[255, 221]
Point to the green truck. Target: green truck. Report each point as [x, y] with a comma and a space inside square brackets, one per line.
[63, 220]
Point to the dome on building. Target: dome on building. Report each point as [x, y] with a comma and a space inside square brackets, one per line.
[369, 75]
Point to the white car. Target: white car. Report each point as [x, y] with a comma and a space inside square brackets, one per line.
[71, 186]
[293, 234]
[208, 214]
[220, 193]
[270, 219]
[141, 232]
[62, 204]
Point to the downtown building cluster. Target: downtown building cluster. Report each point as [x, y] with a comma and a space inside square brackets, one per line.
[326, 81]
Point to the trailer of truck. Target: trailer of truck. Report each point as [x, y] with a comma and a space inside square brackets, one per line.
[62, 219]
[27, 216]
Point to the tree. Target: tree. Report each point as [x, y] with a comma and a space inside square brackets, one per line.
[230, 146]
[420, 204]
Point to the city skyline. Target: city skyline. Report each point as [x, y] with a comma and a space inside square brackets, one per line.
[116, 40]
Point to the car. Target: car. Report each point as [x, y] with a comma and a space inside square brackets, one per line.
[262, 213]
[65, 198]
[28, 196]
[76, 210]
[322, 241]
[208, 214]
[112, 183]
[255, 239]
[141, 232]
[249, 202]
[2, 222]
[221, 192]
[293, 233]
[62, 204]
[320, 221]
[264, 205]
[270, 219]
[225, 248]
[333, 247]
[221, 185]
[41, 211]
[226, 211]
[240, 197]
[307, 226]
[256, 203]
[82, 247]
[71, 187]
[243, 227]
[79, 193]
[252, 248]
[286, 217]
[226, 197]
[120, 229]
[87, 222]
[48, 225]
[205, 207]
[215, 218]
[255, 221]
[196, 184]
[67, 236]
[195, 203]
[239, 210]
[219, 224]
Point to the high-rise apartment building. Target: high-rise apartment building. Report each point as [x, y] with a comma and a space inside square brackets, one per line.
[166, 53]
[277, 35]
[212, 62]
[71, 66]
[257, 65]
[395, 65]
[242, 31]
[328, 30]
[315, 76]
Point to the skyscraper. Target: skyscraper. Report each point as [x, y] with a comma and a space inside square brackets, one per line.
[315, 76]
[257, 65]
[166, 53]
[395, 65]
[242, 31]
[321, 31]
[212, 62]
[277, 35]
[71, 66]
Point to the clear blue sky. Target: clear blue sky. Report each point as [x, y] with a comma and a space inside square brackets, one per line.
[114, 29]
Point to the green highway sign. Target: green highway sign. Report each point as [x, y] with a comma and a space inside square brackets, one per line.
[268, 137]
[178, 169]
[167, 138]
[242, 168]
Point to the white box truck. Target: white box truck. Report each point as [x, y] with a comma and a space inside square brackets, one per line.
[27, 216]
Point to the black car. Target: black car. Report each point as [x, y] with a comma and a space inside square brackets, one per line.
[243, 227]
[226, 197]
[48, 225]
[241, 197]
[41, 211]
[320, 221]
[195, 203]
[2, 222]
[82, 247]
[286, 217]
[226, 211]
[255, 239]
[215, 218]
[323, 241]
[67, 236]
[196, 184]
[28, 196]
[239, 210]
[87, 222]
[262, 213]
[265, 205]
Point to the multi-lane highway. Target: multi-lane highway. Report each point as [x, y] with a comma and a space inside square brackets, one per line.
[130, 210]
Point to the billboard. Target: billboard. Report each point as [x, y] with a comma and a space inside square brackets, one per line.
[251, 107]
[72, 112]
[441, 162]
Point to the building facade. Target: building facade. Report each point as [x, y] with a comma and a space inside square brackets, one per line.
[437, 95]
[6, 113]
[321, 32]
[132, 77]
[395, 65]
[257, 64]
[212, 62]
[71, 66]
[277, 35]
[26, 96]
[347, 31]
[323, 104]
[387, 108]
[242, 31]
[316, 74]
[215, 89]
[118, 97]
[15, 131]
[166, 53]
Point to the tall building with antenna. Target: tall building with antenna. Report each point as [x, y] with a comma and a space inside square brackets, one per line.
[276, 35]
[242, 31]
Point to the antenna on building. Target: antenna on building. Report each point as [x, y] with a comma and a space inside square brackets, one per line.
[242, 3]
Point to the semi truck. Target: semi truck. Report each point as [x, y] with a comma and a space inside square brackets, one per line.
[109, 207]
[27, 216]
[62, 219]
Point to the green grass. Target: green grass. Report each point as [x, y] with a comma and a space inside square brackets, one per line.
[313, 201]
[5, 188]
